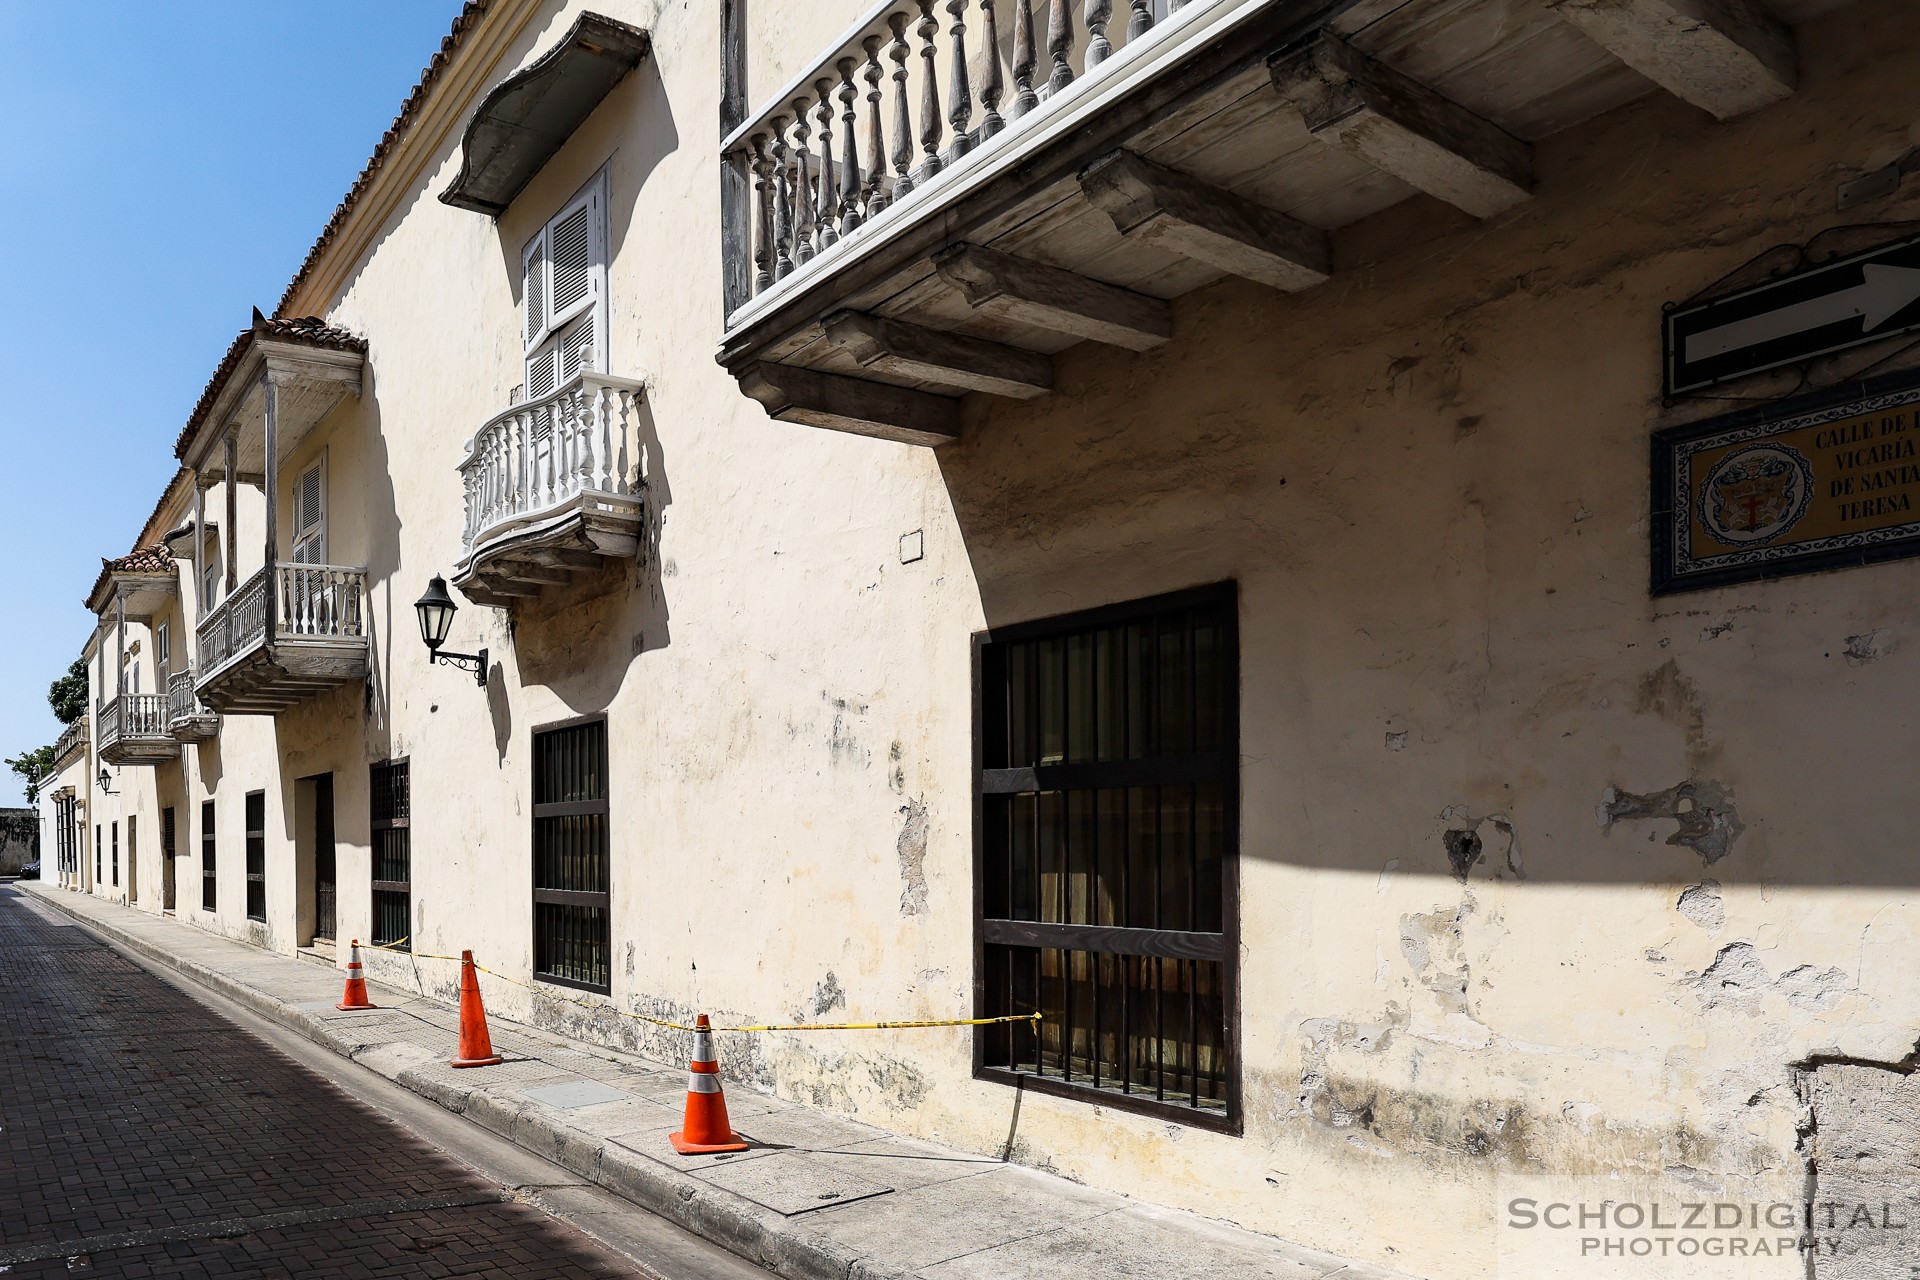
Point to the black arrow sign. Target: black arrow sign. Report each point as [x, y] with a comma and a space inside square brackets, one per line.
[1840, 304]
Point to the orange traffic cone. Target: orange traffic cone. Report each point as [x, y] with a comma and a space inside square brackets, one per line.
[356, 993]
[476, 1046]
[706, 1127]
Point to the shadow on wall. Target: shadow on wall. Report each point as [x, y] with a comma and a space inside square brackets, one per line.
[1451, 667]
[581, 640]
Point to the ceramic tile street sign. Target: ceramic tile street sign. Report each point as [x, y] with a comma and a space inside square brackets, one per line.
[1820, 482]
[1852, 300]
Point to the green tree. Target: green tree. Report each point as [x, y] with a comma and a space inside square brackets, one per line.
[68, 695]
[33, 767]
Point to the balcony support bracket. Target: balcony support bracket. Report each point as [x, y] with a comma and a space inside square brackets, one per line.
[839, 403]
[1046, 297]
[1404, 128]
[1152, 204]
[1728, 57]
[946, 359]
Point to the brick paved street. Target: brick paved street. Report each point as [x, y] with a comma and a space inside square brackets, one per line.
[142, 1135]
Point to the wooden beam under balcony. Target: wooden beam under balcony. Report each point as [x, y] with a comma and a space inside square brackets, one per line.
[1402, 127]
[1729, 57]
[1158, 206]
[1045, 297]
[946, 359]
[838, 403]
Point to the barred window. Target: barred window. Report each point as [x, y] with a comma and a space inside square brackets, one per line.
[257, 856]
[1107, 854]
[208, 898]
[98, 875]
[572, 944]
[391, 793]
[114, 831]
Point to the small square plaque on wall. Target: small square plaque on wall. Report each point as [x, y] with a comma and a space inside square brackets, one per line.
[1823, 481]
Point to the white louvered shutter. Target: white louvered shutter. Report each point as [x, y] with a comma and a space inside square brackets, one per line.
[565, 270]
[310, 516]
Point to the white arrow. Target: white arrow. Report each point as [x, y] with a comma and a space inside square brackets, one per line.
[1883, 294]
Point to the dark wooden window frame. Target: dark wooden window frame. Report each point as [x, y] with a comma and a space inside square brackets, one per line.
[113, 829]
[1223, 947]
[99, 864]
[209, 850]
[561, 897]
[256, 854]
[402, 767]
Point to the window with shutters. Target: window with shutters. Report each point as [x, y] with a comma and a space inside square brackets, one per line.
[392, 796]
[207, 849]
[564, 294]
[162, 656]
[1107, 850]
[257, 855]
[310, 515]
[209, 574]
[572, 943]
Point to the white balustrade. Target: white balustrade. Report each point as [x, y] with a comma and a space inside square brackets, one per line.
[309, 601]
[133, 716]
[539, 458]
[807, 202]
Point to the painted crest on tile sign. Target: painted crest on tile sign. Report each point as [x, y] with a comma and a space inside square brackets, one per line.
[1819, 482]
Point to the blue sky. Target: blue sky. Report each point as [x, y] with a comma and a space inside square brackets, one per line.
[164, 168]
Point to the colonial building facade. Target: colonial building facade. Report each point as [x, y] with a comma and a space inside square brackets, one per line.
[1168, 541]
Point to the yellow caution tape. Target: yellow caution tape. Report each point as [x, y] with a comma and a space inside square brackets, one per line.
[765, 1026]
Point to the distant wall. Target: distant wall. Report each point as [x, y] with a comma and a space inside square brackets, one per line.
[17, 844]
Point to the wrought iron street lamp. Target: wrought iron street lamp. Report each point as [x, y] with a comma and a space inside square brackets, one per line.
[436, 610]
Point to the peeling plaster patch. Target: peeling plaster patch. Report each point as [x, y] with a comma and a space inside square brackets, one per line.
[901, 1086]
[1703, 905]
[828, 995]
[912, 849]
[1704, 810]
[1463, 851]
[1465, 847]
[1715, 631]
[1735, 979]
[1397, 741]
[846, 748]
[1432, 945]
[1320, 1037]
[1816, 989]
[1869, 646]
[629, 959]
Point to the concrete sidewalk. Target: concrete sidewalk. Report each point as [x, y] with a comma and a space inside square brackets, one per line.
[818, 1197]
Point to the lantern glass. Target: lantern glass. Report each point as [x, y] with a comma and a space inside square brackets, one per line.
[436, 610]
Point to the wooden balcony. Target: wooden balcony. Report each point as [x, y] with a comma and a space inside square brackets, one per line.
[283, 636]
[956, 191]
[188, 718]
[553, 490]
[133, 730]
[71, 745]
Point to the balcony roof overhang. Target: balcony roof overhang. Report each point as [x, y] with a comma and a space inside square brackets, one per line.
[143, 581]
[313, 367]
[529, 116]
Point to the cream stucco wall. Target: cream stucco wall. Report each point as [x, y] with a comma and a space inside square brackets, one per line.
[1428, 478]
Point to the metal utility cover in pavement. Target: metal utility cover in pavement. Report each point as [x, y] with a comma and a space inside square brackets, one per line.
[788, 1183]
[1844, 303]
[575, 1093]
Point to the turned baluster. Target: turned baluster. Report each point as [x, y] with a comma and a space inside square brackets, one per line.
[1060, 43]
[902, 113]
[582, 402]
[1024, 98]
[960, 91]
[523, 460]
[826, 209]
[626, 484]
[992, 86]
[762, 166]
[782, 209]
[850, 186]
[876, 129]
[1099, 13]
[803, 214]
[1142, 20]
[603, 473]
[931, 126]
